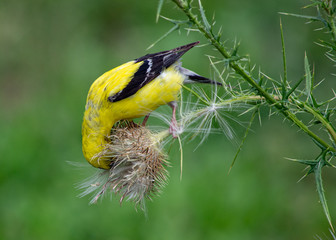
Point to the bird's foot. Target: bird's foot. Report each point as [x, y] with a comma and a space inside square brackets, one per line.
[145, 120]
[173, 128]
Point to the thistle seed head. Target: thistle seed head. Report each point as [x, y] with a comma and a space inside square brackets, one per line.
[137, 165]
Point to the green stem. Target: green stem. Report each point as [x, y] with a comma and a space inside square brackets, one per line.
[193, 18]
[240, 71]
[161, 135]
[333, 28]
[288, 114]
[301, 125]
[322, 119]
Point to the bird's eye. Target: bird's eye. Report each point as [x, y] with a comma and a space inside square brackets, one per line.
[111, 98]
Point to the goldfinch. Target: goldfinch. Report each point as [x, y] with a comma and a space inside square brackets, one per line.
[132, 90]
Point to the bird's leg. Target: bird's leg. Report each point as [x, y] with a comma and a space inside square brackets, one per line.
[173, 124]
[145, 120]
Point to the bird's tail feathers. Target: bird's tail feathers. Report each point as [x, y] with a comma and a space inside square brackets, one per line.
[193, 77]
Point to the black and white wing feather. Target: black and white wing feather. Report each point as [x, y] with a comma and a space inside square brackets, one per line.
[152, 66]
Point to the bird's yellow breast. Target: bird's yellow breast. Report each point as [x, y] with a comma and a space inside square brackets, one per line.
[100, 114]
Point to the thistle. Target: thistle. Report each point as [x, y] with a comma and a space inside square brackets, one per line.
[138, 162]
[284, 95]
[137, 165]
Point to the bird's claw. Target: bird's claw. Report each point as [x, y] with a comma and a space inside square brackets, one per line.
[173, 129]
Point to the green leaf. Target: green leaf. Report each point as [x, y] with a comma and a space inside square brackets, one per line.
[310, 164]
[294, 88]
[284, 82]
[308, 77]
[235, 50]
[261, 80]
[311, 18]
[316, 166]
[204, 19]
[320, 190]
[305, 162]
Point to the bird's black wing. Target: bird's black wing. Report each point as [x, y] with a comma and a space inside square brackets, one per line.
[152, 66]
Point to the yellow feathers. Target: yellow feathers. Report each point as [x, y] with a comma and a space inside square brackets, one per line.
[132, 90]
[100, 114]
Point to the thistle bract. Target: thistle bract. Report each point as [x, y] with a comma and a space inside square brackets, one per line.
[137, 165]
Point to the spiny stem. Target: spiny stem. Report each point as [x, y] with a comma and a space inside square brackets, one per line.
[301, 125]
[333, 28]
[241, 71]
[322, 119]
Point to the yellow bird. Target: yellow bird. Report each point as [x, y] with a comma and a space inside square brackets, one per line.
[132, 90]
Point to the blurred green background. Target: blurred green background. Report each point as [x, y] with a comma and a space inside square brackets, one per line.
[51, 52]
